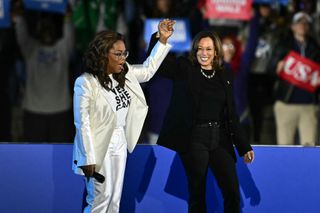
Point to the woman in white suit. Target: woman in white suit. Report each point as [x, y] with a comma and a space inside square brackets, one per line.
[109, 112]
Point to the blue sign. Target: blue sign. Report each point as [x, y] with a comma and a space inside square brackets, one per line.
[181, 38]
[5, 20]
[283, 2]
[56, 6]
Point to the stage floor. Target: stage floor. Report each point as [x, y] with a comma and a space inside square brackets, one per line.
[37, 178]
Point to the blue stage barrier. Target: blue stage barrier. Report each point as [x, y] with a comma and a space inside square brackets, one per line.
[37, 178]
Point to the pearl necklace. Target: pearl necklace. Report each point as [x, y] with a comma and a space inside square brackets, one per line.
[208, 76]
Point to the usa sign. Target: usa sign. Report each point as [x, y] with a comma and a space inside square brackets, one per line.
[301, 72]
[228, 9]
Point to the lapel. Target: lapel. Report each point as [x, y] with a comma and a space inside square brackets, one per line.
[100, 90]
[108, 96]
[227, 85]
[134, 86]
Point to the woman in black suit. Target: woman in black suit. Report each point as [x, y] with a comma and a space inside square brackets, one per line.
[201, 123]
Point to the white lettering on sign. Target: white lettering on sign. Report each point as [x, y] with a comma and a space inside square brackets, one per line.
[238, 2]
[300, 71]
[314, 78]
[228, 8]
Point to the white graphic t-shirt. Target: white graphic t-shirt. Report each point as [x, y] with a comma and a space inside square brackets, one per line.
[120, 100]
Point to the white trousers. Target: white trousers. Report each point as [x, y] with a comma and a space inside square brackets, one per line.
[293, 117]
[105, 197]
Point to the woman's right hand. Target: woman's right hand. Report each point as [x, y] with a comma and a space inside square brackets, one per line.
[88, 170]
[249, 157]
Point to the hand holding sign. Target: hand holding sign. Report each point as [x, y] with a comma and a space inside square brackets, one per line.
[280, 66]
[300, 71]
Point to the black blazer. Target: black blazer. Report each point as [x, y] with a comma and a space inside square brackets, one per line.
[175, 133]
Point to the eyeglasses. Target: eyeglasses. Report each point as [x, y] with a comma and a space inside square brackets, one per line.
[120, 55]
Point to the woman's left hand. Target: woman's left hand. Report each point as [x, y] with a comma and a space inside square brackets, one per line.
[249, 157]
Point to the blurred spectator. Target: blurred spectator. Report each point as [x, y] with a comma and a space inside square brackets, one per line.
[233, 56]
[47, 98]
[90, 17]
[8, 51]
[263, 30]
[312, 7]
[232, 51]
[296, 108]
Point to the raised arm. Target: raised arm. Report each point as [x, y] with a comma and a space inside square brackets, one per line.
[68, 32]
[172, 67]
[25, 41]
[145, 71]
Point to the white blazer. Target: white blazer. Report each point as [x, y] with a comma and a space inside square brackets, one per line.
[94, 118]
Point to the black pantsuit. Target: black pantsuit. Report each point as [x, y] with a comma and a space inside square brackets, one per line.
[205, 153]
[202, 126]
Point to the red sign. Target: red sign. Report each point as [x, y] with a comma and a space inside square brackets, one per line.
[301, 72]
[228, 9]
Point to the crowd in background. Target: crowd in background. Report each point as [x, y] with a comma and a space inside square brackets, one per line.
[41, 55]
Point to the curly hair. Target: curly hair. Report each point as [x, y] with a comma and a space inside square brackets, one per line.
[95, 58]
[218, 58]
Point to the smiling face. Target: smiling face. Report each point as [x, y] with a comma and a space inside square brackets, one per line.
[205, 53]
[116, 57]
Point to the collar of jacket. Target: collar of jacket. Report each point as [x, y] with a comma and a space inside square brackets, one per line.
[135, 87]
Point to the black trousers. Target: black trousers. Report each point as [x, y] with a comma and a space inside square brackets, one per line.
[259, 93]
[205, 152]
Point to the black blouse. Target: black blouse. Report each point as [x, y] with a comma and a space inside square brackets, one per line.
[211, 97]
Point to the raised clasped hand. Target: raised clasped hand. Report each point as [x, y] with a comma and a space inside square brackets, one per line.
[165, 29]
